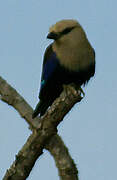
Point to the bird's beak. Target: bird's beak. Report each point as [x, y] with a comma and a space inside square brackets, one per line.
[53, 35]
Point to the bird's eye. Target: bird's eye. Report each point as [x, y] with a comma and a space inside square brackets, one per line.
[66, 31]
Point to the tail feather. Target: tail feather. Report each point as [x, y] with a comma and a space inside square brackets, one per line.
[40, 109]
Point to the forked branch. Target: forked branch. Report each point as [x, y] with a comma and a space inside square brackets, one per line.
[44, 133]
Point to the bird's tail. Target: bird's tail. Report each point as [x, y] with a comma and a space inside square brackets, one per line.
[40, 109]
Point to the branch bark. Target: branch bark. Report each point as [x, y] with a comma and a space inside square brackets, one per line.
[65, 164]
[44, 133]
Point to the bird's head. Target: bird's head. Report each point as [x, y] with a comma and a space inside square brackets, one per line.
[62, 29]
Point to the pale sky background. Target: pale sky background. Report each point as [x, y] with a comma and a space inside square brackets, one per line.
[90, 129]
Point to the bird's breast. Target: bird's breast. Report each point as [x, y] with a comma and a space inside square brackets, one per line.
[76, 59]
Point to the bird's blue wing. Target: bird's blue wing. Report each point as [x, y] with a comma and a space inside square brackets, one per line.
[50, 65]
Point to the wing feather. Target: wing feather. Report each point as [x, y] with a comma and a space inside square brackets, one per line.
[50, 64]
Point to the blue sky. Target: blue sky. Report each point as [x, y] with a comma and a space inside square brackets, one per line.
[89, 129]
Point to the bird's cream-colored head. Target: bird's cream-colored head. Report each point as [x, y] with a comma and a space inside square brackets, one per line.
[62, 25]
[64, 29]
[71, 44]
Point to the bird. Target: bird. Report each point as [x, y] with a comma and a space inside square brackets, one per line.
[70, 58]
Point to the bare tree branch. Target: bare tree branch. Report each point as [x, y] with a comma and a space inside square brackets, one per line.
[65, 164]
[44, 133]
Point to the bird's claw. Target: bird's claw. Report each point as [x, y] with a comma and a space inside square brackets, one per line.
[82, 92]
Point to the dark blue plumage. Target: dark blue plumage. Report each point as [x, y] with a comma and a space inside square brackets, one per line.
[49, 67]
